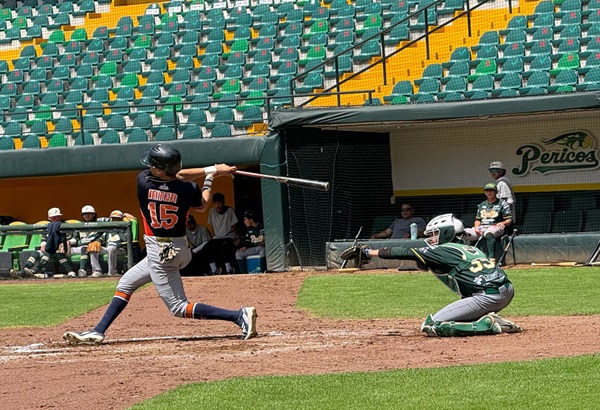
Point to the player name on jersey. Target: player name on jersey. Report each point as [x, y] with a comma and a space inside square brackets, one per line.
[155, 195]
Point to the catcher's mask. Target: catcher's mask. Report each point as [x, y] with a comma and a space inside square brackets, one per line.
[444, 228]
[163, 156]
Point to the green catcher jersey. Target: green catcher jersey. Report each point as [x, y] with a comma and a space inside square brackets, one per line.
[464, 269]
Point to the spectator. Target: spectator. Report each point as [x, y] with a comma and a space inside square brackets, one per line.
[197, 237]
[400, 228]
[253, 242]
[115, 241]
[505, 191]
[492, 218]
[88, 244]
[221, 247]
[54, 243]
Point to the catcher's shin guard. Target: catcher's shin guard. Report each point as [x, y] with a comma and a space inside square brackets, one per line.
[484, 326]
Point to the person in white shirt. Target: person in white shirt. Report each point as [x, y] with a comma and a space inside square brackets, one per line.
[197, 236]
[221, 248]
[505, 191]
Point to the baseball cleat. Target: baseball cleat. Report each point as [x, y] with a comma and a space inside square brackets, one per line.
[247, 322]
[90, 337]
[81, 273]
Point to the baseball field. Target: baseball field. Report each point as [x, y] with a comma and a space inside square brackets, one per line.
[326, 341]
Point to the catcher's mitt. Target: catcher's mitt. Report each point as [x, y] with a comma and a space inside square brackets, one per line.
[358, 252]
[95, 246]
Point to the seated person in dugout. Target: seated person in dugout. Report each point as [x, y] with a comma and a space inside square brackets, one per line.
[400, 228]
[252, 243]
[197, 236]
[116, 241]
[492, 218]
[483, 287]
[88, 244]
[54, 243]
[221, 248]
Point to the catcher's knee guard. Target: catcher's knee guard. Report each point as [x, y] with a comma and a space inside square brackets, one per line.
[484, 326]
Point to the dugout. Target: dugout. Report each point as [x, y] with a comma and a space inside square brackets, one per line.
[436, 156]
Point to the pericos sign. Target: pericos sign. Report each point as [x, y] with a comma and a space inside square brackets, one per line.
[573, 151]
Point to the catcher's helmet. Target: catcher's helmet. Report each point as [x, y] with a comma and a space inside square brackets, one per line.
[163, 156]
[447, 227]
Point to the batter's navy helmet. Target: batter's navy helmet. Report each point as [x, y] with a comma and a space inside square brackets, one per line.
[163, 156]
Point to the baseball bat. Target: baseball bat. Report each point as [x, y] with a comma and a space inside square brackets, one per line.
[300, 182]
[555, 264]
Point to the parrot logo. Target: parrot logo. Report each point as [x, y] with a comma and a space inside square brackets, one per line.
[573, 140]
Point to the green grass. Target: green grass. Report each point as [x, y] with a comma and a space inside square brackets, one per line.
[546, 291]
[562, 383]
[49, 302]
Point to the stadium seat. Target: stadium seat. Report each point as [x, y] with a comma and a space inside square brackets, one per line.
[110, 137]
[221, 130]
[137, 135]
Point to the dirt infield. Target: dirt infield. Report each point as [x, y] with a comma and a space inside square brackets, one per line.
[148, 352]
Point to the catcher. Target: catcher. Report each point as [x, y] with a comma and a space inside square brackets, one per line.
[483, 287]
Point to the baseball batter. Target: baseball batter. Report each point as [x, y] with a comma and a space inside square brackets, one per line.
[165, 194]
[482, 286]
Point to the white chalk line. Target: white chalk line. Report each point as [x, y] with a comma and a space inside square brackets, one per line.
[41, 350]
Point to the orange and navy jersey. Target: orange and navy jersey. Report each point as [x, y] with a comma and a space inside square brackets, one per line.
[165, 204]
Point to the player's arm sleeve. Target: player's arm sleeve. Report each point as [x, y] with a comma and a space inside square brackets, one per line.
[399, 253]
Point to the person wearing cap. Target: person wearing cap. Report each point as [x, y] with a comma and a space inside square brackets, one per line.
[505, 191]
[54, 242]
[197, 236]
[253, 242]
[492, 218]
[82, 239]
[114, 241]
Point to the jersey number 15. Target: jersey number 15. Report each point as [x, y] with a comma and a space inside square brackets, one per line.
[166, 217]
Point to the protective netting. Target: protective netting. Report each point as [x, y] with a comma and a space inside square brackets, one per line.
[359, 167]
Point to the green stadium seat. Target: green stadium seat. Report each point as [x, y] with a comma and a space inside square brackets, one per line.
[110, 137]
[221, 130]
[142, 41]
[31, 141]
[512, 65]
[478, 95]
[146, 25]
[6, 143]
[57, 140]
[96, 45]
[569, 61]
[25, 101]
[192, 132]
[61, 73]
[124, 27]
[9, 89]
[192, 20]
[165, 134]
[31, 88]
[455, 85]
[565, 78]
[429, 86]
[12, 129]
[137, 135]
[402, 88]
[85, 7]
[63, 126]
[251, 115]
